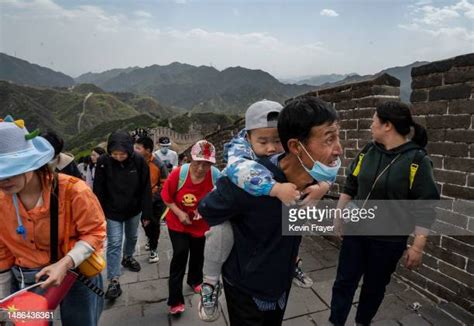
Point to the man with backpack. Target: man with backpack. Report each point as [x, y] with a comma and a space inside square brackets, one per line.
[158, 174]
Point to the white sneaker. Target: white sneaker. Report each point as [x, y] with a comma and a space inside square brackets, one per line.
[208, 306]
[147, 246]
[301, 279]
[153, 257]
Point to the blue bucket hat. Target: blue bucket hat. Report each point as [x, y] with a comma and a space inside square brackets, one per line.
[21, 151]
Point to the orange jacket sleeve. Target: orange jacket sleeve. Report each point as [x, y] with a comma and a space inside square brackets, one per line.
[6, 257]
[87, 215]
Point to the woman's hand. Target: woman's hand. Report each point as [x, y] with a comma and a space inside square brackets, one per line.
[413, 258]
[197, 216]
[338, 226]
[55, 272]
[184, 218]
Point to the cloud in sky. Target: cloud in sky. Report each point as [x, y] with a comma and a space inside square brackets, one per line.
[76, 39]
[328, 13]
[142, 14]
[86, 38]
[442, 21]
[443, 31]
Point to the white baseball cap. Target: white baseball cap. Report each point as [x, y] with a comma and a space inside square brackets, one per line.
[262, 114]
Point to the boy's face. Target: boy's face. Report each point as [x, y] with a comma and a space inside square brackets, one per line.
[138, 148]
[265, 141]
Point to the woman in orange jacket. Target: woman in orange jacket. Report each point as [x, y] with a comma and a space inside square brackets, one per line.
[27, 191]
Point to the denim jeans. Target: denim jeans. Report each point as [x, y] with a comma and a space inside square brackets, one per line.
[115, 230]
[80, 307]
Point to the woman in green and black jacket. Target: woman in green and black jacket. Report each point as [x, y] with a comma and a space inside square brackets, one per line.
[386, 166]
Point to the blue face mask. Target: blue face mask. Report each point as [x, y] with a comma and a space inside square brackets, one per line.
[164, 150]
[321, 172]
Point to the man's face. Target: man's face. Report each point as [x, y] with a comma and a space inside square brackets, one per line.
[323, 145]
[138, 148]
[164, 149]
[265, 141]
[119, 156]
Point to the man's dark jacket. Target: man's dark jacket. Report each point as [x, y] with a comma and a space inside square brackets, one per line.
[262, 261]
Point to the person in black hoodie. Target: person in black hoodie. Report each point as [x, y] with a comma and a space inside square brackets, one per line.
[382, 172]
[258, 273]
[122, 184]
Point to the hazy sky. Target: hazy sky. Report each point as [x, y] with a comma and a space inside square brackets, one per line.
[285, 38]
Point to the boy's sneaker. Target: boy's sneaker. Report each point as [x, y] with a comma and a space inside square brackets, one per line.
[300, 278]
[147, 246]
[208, 306]
[131, 264]
[113, 290]
[177, 309]
[153, 257]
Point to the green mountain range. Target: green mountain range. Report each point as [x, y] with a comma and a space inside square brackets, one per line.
[24, 73]
[61, 109]
[199, 89]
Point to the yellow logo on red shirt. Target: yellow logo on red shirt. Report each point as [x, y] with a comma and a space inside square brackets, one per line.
[189, 200]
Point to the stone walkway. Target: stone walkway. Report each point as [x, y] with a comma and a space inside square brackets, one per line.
[143, 301]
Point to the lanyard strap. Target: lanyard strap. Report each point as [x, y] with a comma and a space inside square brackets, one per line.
[378, 177]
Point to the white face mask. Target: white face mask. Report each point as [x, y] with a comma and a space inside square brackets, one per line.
[321, 172]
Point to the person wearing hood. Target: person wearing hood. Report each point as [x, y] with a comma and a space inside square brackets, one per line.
[384, 170]
[62, 162]
[122, 184]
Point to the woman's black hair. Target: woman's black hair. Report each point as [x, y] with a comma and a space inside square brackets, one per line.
[99, 150]
[55, 141]
[300, 115]
[399, 115]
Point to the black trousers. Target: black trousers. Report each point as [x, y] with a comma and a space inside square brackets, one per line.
[376, 260]
[183, 246]
[244, 312]
[152, 231]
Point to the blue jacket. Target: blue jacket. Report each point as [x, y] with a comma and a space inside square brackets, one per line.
[262, 261]
[243, 169]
